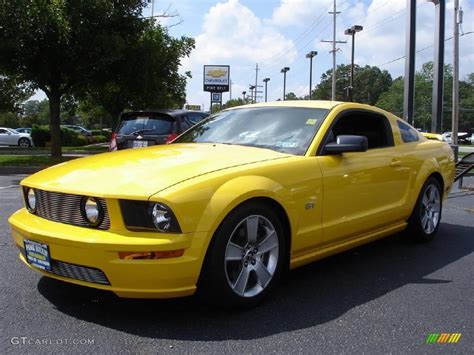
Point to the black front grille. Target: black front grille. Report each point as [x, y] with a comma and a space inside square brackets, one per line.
[66, 208]
[78, 272]
[73, 271]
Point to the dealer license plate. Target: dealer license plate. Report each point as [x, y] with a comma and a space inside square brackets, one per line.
[139, 144]
[37, 254]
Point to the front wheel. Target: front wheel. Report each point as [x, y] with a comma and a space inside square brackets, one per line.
[24, 143]
[245, 259]
[424, 221]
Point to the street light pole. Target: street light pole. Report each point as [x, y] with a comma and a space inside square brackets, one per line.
[252, 91]
[310, 55]
[351, 32]
[266, 80]
[284, 70]
[243, 95]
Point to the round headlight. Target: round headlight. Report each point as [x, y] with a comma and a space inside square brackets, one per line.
[31, 200]
[161, 217]
[92, 211]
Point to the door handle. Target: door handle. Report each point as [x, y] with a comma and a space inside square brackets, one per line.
[395, 163]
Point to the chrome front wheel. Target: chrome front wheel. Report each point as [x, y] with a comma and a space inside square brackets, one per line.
[251, 256]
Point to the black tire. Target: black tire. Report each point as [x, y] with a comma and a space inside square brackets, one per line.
[215, 284]
[417, 228]
[24, 143]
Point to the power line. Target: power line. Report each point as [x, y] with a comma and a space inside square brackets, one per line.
[422, 49]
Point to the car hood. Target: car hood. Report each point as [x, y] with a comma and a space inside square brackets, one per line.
[140, 173]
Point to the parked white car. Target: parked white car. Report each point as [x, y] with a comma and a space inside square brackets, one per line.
[9, 136]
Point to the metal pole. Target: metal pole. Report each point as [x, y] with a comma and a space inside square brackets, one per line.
[284, 84]
[266, 82]
[438, 68]
[310, 75]
[455, 118]
[256, 79]
[333, 89]
[351, 84]
[409, 83]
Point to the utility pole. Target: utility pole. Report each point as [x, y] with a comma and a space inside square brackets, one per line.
[334, 13]
[256, 81]
[266, 80]
[455, 118]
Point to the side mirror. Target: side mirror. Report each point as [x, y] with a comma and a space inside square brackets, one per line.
[347, 144]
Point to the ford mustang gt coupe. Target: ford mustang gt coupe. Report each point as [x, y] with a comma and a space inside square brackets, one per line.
[234, 201]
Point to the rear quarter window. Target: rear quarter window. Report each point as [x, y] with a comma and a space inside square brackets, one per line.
[407, 133]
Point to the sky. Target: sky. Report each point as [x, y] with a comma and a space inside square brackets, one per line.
[279, 33]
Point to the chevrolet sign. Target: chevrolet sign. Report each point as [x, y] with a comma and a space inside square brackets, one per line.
[216, 78]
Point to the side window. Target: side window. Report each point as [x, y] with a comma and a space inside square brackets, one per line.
[3, 131]
[374, 127]
[408, 134]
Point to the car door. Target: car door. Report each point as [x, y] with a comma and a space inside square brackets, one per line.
[5, 136]
[362, 190]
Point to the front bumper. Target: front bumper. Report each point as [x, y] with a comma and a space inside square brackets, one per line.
[98, 250]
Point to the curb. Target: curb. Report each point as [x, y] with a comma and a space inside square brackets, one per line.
[11, 170]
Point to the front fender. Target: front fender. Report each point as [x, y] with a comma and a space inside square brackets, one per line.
[238, 190]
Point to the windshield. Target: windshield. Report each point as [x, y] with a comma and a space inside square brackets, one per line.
[146, 125]
[284, 129]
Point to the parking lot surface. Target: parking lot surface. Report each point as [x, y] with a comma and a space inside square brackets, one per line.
[384, 297]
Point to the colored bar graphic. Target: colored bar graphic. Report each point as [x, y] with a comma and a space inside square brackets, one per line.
[442, 338]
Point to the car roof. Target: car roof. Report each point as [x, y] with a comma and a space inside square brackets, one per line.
[326, 104]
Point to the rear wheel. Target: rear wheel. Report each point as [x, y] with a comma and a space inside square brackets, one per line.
[424, 221]
[24, 143]
[245, 259]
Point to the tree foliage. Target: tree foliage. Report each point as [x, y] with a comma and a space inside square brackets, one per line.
[67, 47]
[13, 93]
[369, 82]
[146, 76]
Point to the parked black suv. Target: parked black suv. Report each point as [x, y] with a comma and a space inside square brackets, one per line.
[145, 128]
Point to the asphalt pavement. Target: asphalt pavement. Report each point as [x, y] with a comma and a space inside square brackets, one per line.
[384, 297]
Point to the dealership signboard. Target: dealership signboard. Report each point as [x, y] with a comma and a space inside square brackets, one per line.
[216, 78]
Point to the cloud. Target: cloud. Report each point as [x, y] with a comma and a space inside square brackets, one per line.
[233, 34]
[298, 12]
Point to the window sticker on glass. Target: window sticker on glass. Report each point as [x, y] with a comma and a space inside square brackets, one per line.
[291, 144]
[311, 121]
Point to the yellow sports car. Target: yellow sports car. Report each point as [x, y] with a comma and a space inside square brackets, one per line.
[234, 201]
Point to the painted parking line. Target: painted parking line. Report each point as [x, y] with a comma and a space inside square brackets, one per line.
[8, 187]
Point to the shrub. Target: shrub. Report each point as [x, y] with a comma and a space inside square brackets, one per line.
[100, 139]
[40, 135]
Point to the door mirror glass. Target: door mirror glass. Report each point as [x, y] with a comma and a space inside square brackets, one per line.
[347, 143]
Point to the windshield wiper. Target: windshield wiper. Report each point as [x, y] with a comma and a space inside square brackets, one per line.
[137, 132]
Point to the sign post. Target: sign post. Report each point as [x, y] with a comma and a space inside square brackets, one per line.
[216, 81]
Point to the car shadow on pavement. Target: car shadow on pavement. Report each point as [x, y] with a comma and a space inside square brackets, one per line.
[311, 295]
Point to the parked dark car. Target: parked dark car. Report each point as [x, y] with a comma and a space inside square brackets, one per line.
[145, 128]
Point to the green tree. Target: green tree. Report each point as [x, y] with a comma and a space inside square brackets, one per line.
[235, 102]
[155, 84]
[35, 112]
[369, 83]
[13, 93]
[60, 45]
[392, 100]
